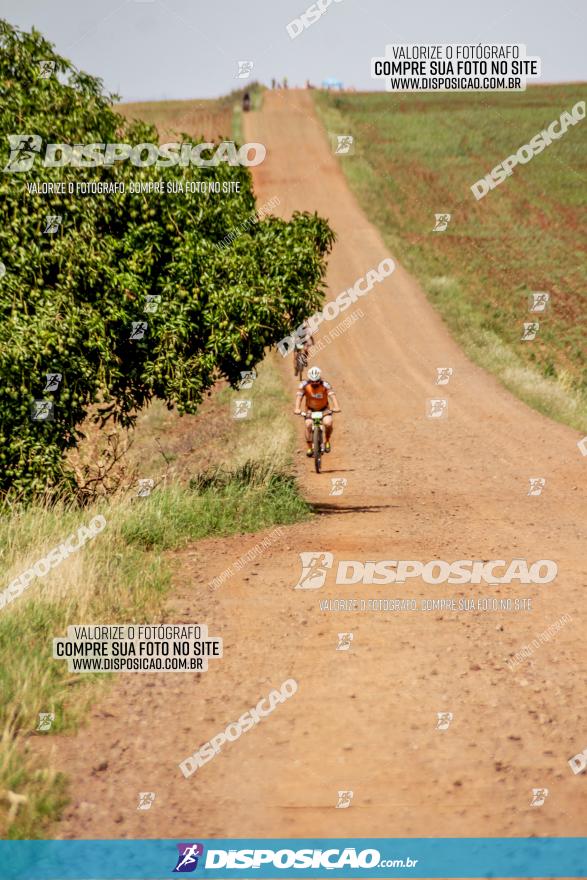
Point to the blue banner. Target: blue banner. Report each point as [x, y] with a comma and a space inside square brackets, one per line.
[275, 858]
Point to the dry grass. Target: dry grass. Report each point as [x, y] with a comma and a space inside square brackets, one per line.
[211, 120]
[121, 574]
[168, 448]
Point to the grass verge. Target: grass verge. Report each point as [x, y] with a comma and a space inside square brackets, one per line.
[121, 575]
[417, 155]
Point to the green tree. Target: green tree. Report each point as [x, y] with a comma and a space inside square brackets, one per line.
[68, 300]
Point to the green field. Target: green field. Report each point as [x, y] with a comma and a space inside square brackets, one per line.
[417, 155]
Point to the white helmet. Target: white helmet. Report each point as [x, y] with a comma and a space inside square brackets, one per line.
[314, 374]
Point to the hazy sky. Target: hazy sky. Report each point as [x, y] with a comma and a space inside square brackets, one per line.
[156, 49]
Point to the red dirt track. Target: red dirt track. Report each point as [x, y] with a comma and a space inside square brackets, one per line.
[365, 720]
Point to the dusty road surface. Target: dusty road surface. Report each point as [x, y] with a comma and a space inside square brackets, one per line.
[365, 719]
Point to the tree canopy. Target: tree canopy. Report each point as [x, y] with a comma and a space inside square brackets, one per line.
[71, 300]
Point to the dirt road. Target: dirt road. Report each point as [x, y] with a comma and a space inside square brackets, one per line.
[366, 719]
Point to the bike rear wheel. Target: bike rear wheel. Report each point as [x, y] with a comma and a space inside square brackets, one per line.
[300, 364]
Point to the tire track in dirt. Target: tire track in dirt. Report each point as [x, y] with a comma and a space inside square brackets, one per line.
[365, 719]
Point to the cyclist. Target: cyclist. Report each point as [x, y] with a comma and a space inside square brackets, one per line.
[303, 343]
[316, 394]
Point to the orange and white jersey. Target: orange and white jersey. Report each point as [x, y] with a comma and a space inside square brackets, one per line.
[316, 397]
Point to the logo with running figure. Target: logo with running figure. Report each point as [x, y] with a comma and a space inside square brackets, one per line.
[23, 149]
[344, 641]
[539, 301]
[539, 795]
[52, 224]
[338, 485]
[344, 800]
[187, 860]
[441, 222]
[46, 68]
[314, 568]
[46, 719]
[443, 375]
[344, 144]
[244, 69]
[437, 408]
[146, 800]
[444, 719]
[530, 330]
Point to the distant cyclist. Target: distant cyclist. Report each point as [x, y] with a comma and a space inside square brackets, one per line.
[303, 342]
[246, 102]
[315, 395]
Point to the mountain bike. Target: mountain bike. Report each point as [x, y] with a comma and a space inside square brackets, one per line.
[317, 434]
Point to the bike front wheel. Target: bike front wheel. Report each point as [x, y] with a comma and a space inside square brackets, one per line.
[317, 448]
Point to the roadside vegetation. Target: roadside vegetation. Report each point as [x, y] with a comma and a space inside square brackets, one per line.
[417, 155]
[234, 476]
[125, 409]
[135, 295]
